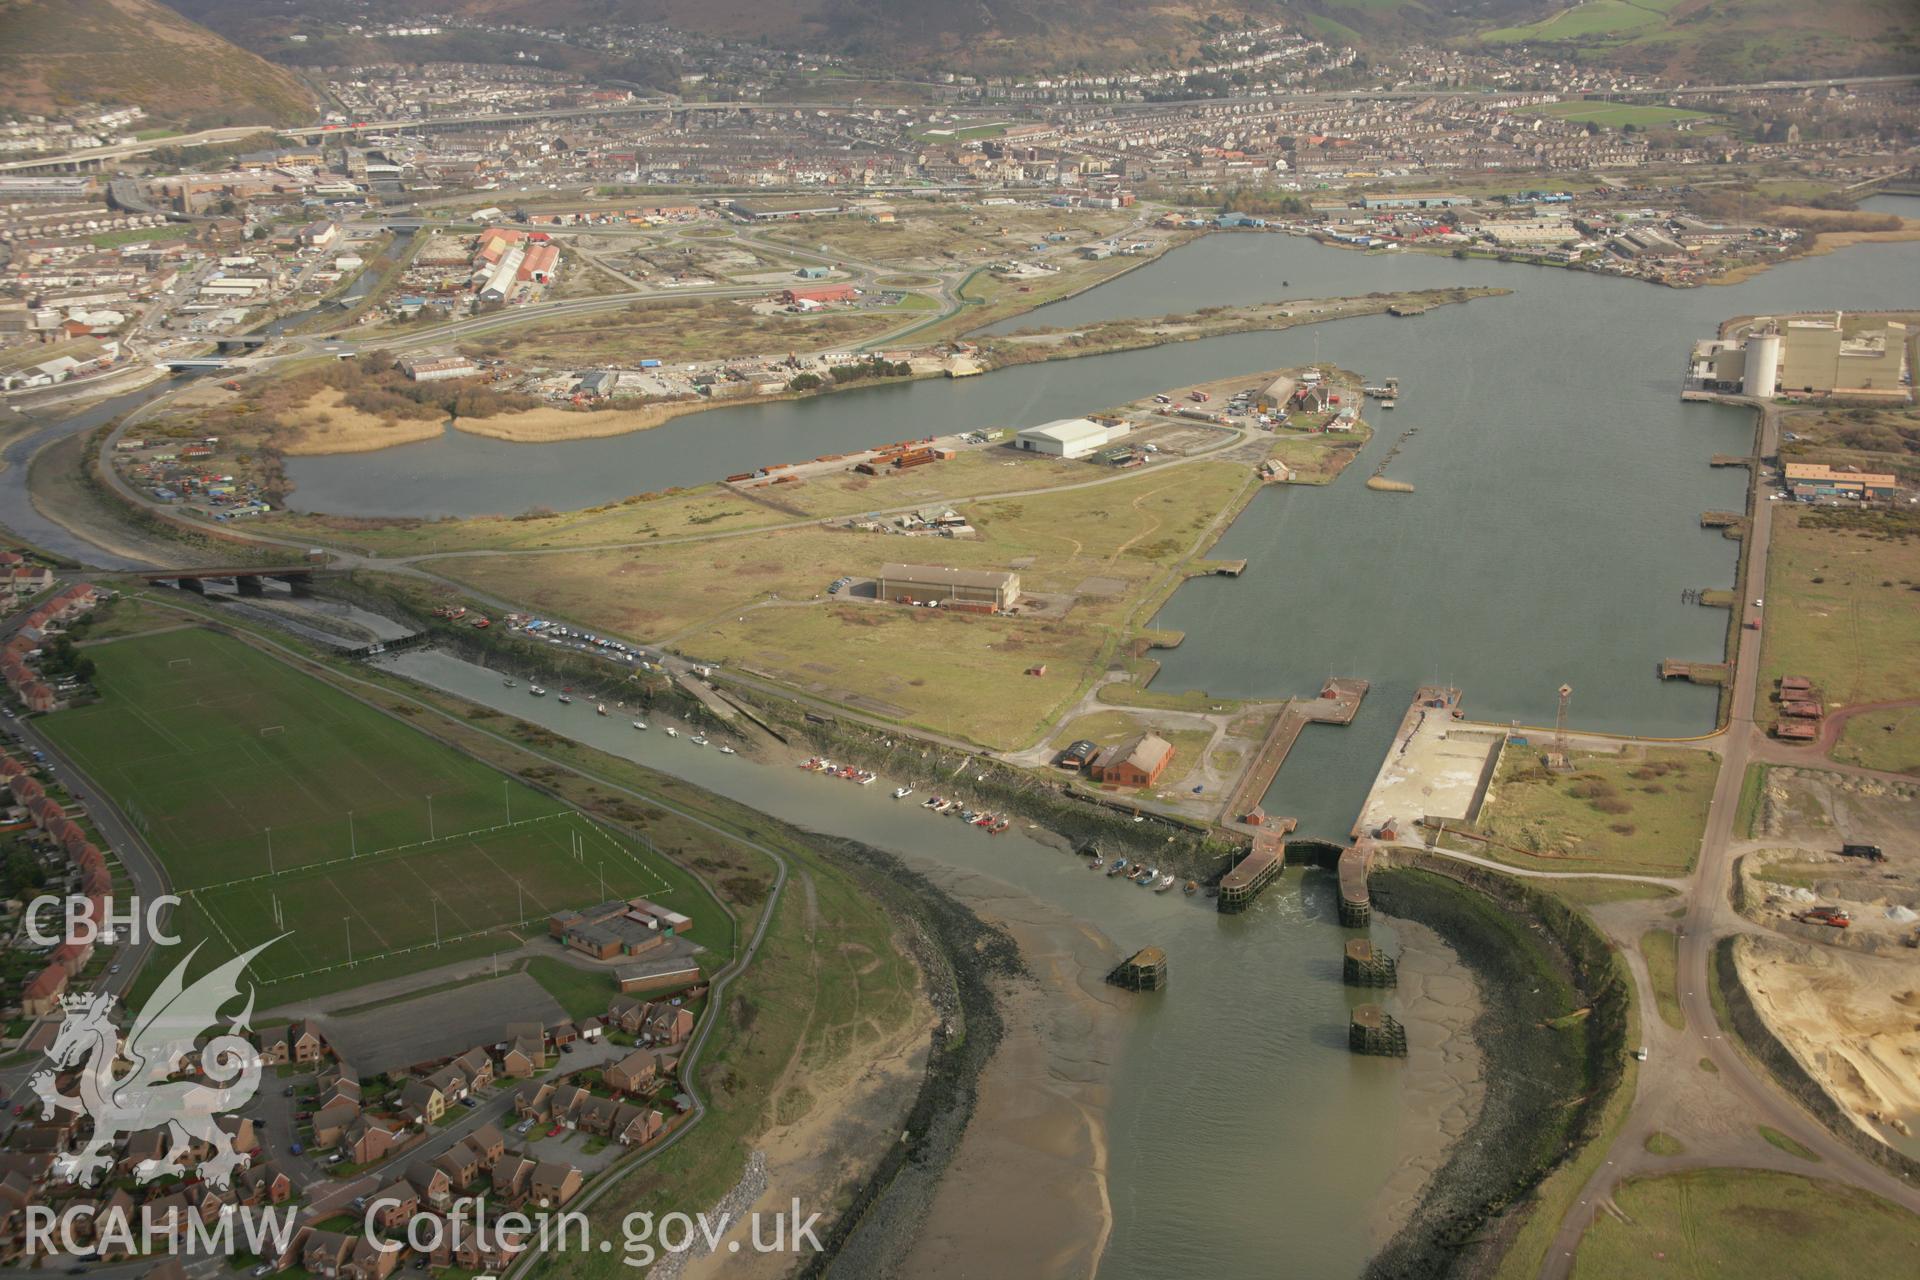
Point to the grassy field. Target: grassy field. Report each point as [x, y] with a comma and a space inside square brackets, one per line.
[277, 805]
[1638, 810]
[1842, 610]
[924, 237]
[1616, 115]
[1886, 739]
[1594, 893]
[140, 235]
[690, 329]
[1730, 1224]
[1592, 18]
[1108, 544]
[1661, 950]
[1775, 1138]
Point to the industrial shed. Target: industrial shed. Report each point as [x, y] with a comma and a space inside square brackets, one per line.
[920, 583]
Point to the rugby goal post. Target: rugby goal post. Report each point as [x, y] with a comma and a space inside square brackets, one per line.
[179, 662]
[272, 730]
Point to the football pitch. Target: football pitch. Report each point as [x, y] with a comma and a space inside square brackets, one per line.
[281, 806]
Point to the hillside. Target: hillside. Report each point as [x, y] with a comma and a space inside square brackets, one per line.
[983, 34]
[1726, 41]
[57, 53]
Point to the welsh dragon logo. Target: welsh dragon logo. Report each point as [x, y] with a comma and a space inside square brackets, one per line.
[159, 1047]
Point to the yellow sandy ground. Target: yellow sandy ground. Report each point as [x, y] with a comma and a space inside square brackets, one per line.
[328, 426]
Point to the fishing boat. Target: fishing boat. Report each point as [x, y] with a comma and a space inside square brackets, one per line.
[1119, 865]
[672, 732]
[537, 691]
[1144, 875]
[1097, 863]
[1164, 883]
[1193, 887]
[728, 751]
[866, 778]
[698, 740]
[1387, 404]
[985, 820]
[566, 699]
[998, 827]
[968, 815]
[600, 710]
[901, 793]
[640, 724]
[507, 683]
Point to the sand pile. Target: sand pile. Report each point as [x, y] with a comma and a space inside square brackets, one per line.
[1852, 1020]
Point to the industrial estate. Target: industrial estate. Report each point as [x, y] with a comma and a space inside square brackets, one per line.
[1396, 536]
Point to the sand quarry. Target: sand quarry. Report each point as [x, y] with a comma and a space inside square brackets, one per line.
[1852, 1020]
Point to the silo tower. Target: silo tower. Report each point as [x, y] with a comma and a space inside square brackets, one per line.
[1762, 373]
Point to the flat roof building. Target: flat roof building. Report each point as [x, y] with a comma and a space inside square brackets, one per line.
[1811, 480]
[920, 583]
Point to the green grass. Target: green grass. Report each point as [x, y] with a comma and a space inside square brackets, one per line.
[1775, 1138]
[137, 235]
[1592, 893]
[1665, 1144]
[1752, 787]
[1839, 613]
[1732, 1224]
[1595, 17]
[176, 740]
[1640, 810]
[581, 992]
[1661, 950]
[1887, 739]
[1616, 115]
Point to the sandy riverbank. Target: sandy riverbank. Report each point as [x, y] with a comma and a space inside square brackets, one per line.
[549, 426]
[1033, 1163]
[855, 1113]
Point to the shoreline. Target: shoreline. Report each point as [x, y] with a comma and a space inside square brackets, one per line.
[1034, 1160]
[555, 425]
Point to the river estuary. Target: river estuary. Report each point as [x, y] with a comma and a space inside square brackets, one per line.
[1559, 482]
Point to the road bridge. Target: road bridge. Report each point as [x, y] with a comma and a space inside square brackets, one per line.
[247, 581]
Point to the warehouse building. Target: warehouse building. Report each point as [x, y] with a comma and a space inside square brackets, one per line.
[1069, 437]
[922, 584]
[1138, 762]
[1812, 481]
[1817, 358]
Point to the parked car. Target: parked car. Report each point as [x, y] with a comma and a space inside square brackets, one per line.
[469, 1102]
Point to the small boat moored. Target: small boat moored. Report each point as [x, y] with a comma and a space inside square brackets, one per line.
[537, 691]
[901, 793]
[640, 724]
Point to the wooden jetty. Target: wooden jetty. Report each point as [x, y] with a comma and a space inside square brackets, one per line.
[1375, 1031]
[1260, 868]
[1364, 966]
[1338, 703]
[1144, 970]
[1721, 520]
[1731, 460]
[1696, 672]
[1219, 568]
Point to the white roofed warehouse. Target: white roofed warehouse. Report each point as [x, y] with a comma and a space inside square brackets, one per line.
[1068, 437]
